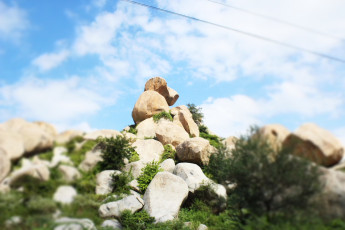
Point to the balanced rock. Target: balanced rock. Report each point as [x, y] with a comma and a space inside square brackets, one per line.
[148, 150]
[149, 103]
[315, 144]
[183, 117]
[5, 164]
[164, 196]
[159, 85]
[115, 208]
[195, 150]
[169, 133]
[275, 134]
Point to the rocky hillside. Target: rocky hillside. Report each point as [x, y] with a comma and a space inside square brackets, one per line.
[148, 176]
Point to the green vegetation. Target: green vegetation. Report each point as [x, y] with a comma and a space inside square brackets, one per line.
[147, 174]
[48, 156]
[139, 220]
[120, 182]
[135, 157]
[114, 152]
[265, 185]
[72, 144]
[197, 115]
[214, 140]
[132, 129]
[169, 152]
[78, 155]
[161, 115]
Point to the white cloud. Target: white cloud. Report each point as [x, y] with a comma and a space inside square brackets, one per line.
[66, 101]
[340, 134]
[13, 21]
[49, 61]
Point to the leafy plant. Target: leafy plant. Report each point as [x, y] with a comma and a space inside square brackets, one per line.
[161, 115]
[214, 140]
[134, 157]
[139, 220]
[197, 115]
[78, 155]
[132, 129]
[203, 129]
[120, 182]
[114, 152]
[47, 155]
[283, 184]
[147, 174]
[169, 152]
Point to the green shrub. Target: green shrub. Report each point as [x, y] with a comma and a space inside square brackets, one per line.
[161, 115]
[214, 140]
[132, 129]
[147, 174]
[41, 205]
[139, 220]
[87, 183]
[120, 182]
[48, 156]
[77, 156]
[196, 113]
[135, 157]
[203, 129]
[265, 185]
[114, 151]
[169, 152]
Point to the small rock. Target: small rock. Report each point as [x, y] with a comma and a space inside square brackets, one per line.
[66, 223]
[69, 173]
[91, 159]
[65, 194]
[168, 165]
[132, 203]
[104, 181]
[113, 224]
[134, 168]
[202, 227]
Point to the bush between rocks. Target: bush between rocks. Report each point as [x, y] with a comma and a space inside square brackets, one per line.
[147, 174]
[161, 115]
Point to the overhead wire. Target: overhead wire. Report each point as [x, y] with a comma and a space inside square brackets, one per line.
[257, 36]
[281, 21]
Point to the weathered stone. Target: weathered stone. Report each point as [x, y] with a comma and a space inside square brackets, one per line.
[184, 117]
[105, 133]
[69, 173]
[149, 104]
[148, 150]
[65, 194]
[202, 227]
[275, 134]
[192, 175]
[5, 164]
[146, 128]
[91, 159]
[230, 143]
[195, 150]
[315, 144]
[111, 224]
[48, 128]
[134, 185]
[63, 138]
[159, 85]
[66, 223]
[134, 168]
[169, 133]
[132, 203]
[104, 181]
[60, 157]
[168, 165]
[40, 172]
[12, 143]
[164, 196]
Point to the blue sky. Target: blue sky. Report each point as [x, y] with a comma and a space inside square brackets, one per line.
[82, 64]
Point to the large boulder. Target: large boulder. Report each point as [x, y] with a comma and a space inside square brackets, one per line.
[331, 201]
[146, 128]
[64, 137]
[5, 164]
[105, 133]
[315, 144]
[182, 116]
[115, 208]
[104, 181]
[65, 194]
[12, 144]
[169, 133]
[164, 196]
[35, 138]
[192, 175]
[134, 168]
[149, 103]
[48, 128]
[195, 150]
[168, 165]
[275, 134]
[159, 85]
[148, 150]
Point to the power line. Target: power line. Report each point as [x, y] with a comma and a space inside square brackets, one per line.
[305, 28]
[240, 31]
